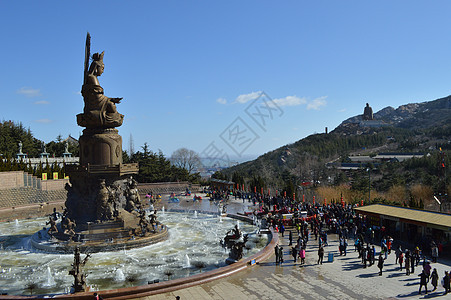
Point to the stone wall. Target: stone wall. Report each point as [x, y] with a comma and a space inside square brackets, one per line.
[167, 187]
[19, 189]
[53, 185]
[10, 214]
[10, 180]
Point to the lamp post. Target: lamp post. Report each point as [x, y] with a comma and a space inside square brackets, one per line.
[369, 184]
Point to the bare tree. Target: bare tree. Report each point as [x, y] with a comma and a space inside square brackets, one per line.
[186, 159]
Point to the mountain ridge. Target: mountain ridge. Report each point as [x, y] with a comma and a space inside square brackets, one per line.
[412, 127]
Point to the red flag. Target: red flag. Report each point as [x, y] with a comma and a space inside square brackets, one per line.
[303, 198]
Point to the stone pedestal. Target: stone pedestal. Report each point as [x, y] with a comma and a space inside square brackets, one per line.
[100, 147]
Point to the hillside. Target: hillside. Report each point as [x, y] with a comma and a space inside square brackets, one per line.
[415, 127]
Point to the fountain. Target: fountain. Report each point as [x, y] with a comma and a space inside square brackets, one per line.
[196, 239]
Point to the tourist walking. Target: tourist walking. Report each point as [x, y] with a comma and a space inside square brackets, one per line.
[446, 282]
[427, 269]
[320, 255]
[416, 254]
[434, 279]
[407, 265]
[423, 281]
[373, 255]
[364, 256]
[302, 255]
[380, 264]
[281, 254]
[294, 253]
[276, 252]
[397, 253]
[282, 228]
[401, 260]
[434, 252]
[290, 238]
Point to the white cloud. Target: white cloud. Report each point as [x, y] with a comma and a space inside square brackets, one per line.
[247, 97]
[288, 101]
[44, 121]
[29, 92]
[317, 103]
[221, 100]
[342, 110]
[42, 102]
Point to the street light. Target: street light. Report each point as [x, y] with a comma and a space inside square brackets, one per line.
[369, 184]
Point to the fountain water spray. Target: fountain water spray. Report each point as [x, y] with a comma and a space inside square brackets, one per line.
[119, 275]
[50, 280]
[187, 261]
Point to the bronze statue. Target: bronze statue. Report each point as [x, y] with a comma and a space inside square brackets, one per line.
[79, 278]
[100, 110]
[104, 209]
[236, 251]
[132, 195]
[368, 113]
[53, 229]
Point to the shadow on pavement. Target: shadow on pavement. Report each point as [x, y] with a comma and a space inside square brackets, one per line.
[352, 266]
[395, 275]
[348, 258]
[412, 283]
[369, 275]
[415, 293]
[433, 295]
[267, 264]
[409, 279]
[394, 269]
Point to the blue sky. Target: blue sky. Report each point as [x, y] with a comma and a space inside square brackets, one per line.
[189, 71]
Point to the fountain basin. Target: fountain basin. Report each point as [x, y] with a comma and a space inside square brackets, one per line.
[105, 275]
[42, 241]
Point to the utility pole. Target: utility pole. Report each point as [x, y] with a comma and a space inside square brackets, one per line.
[369, 184]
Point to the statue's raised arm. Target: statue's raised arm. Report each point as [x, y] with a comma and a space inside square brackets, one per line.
[100, 110]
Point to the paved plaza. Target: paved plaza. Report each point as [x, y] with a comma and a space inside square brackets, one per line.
[344, 278]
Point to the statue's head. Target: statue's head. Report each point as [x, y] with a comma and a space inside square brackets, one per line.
[97, 65]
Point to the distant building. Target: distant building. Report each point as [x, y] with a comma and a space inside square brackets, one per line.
[398, 156]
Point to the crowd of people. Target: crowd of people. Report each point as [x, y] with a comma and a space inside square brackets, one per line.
[373, 245]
